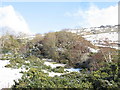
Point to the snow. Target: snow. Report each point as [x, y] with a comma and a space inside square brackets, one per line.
[93, 50]
[99, 39]
[53, 65]
[115, 47]
[8, 75]
[52, 74]
[94, 38]
[44, 59]
[73, 69]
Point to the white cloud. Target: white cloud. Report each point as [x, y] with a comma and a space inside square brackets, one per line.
[11, 19]
[95, 16]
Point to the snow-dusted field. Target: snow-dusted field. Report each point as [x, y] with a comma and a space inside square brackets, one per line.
[8, 75]
[94, 38]
[99, 39]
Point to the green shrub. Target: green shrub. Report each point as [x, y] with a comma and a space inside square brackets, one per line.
[58, 69]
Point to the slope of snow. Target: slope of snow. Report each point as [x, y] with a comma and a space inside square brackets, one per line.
[53, 65]
[95, 38]
[113, 36]
[8, 75]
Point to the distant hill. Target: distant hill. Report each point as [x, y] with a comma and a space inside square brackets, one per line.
[103, 36]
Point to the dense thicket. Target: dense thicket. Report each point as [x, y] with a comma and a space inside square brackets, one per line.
[71, 49]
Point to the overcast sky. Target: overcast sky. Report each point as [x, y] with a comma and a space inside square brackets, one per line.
[42, 17]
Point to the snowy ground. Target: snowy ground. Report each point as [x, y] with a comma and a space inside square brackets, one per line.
[52, 65]
[98, 39]
[93, 50]
[72, 69]
[94, 38]
[8, 75]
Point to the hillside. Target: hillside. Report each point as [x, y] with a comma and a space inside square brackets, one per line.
[58, 60]
[103, 36]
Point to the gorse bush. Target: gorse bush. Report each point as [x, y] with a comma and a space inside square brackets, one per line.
[98, 80]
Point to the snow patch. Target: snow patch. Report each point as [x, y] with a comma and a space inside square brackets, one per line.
[93, 50]
[53, 65]
[52, 74]
[73, 69]
[8, 75]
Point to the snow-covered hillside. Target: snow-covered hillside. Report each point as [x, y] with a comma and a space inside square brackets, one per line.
[100, 36]
[111, 37]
